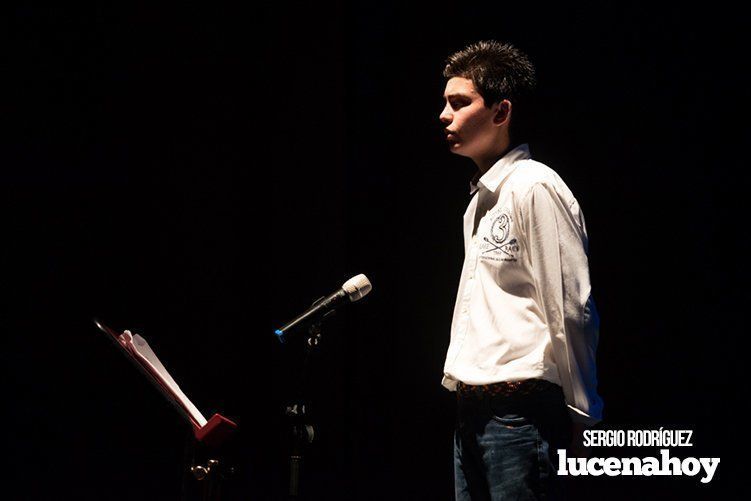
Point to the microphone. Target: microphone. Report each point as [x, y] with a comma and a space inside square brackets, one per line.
[352, 290]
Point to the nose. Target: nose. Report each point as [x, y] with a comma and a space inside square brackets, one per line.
[446, 117]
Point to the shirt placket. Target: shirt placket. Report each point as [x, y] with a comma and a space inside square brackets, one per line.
[470, 272]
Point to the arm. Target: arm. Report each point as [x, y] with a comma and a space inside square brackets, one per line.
[557, 250]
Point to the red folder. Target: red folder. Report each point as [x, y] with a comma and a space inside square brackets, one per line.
[212, 432]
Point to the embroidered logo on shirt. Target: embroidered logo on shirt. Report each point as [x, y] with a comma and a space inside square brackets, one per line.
[499, 244]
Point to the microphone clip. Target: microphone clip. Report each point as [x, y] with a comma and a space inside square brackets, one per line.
[314, 331]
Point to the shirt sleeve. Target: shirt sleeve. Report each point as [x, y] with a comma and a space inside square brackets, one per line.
[557, 244]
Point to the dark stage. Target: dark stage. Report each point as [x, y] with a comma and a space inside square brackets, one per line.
[200, 175]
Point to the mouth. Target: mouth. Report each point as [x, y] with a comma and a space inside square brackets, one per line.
[451, 137]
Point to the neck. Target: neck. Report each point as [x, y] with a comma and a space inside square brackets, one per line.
[484, 163]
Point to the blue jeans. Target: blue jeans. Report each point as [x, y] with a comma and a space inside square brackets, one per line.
[505, 448]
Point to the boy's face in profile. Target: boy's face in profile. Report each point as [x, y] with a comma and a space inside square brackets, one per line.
[468, 124]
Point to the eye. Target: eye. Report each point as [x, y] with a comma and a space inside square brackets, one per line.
[457, 103]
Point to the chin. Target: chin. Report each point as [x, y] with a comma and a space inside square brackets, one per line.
[457, 149]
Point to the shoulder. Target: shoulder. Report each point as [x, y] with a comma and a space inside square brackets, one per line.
[531, 174]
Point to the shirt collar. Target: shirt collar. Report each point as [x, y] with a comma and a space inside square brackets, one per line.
[500, 170]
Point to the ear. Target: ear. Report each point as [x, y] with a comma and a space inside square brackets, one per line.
[503, 113]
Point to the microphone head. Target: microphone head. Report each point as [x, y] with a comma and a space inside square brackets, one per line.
[357, 287]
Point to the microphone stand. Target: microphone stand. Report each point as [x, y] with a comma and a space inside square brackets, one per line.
[302, 431]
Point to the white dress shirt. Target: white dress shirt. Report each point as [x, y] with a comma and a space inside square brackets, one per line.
[524, 309]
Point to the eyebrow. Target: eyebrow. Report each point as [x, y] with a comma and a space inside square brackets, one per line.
[457, 94]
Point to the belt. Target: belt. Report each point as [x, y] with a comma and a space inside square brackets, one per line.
[504, 388]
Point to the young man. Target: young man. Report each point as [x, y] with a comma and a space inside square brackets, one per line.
[525, 328]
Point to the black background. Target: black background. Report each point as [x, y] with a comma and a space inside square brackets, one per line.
[201, 174]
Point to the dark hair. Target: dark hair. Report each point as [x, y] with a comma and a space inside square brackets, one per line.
[498, 71]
